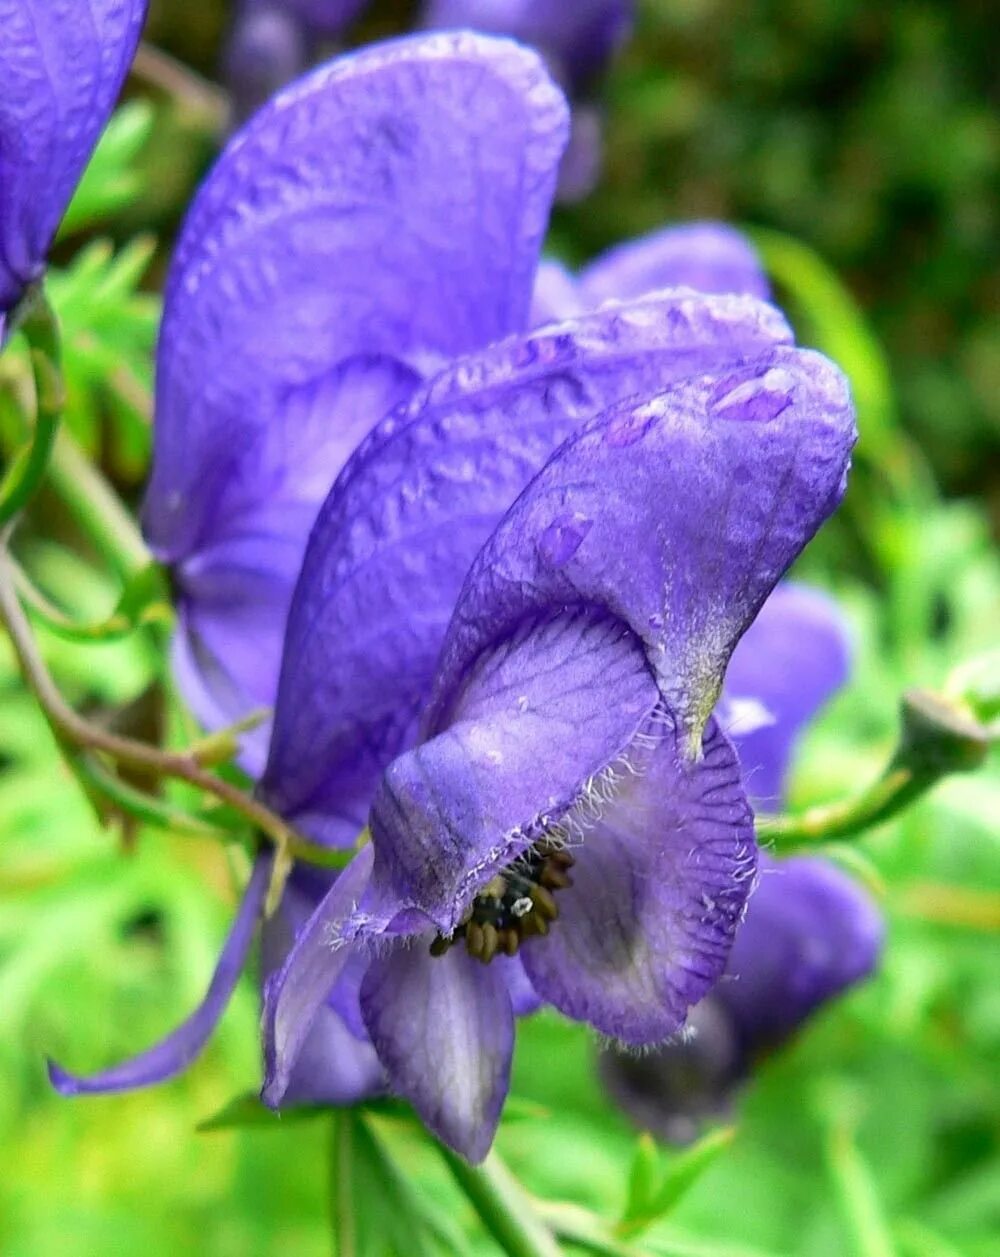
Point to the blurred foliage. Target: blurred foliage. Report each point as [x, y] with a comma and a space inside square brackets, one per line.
[871, 133]
[864, 135]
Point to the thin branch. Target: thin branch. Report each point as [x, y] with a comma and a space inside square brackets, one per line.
[937, 738]
[72, 730]
[97, 508]
[158, 69]
[845, 818]
[963, 907]
[503, 1206]
[36, 320]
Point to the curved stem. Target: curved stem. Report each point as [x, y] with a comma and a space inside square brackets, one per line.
[97, 508]
[116, 625]
[504, 1208]
[937, 738]
[72, 730]
[37, 321]
[846, 818]
[962, 907]
[145, 807]
[583, 1229]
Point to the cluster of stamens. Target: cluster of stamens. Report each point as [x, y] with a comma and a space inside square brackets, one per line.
[516, 904]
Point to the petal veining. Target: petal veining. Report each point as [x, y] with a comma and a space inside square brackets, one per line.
[664, 864]
[296, 257]
[62, 64]
[402, 525]
[444, 1030]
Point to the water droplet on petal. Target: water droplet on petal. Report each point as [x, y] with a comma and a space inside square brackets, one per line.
[563, 537]
[758, 399]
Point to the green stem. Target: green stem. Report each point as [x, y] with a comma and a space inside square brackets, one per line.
[504, 1208]
[855, 1189]
[342, 1205]
[97, 508]
[892, 792]
[963, 907]
[71, 730]
[199, 98]
[112, 627]
[37, 321]
[583, 1229]
[144, 807]
[937, 739]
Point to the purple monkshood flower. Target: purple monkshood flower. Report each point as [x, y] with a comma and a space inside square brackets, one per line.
[271, 42]
[577, 40]
[62, 64]
[520, 595]
[810, 931]
[267, 46]
[300, 290]
[557, 789]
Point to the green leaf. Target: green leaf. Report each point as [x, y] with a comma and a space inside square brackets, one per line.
[916, 1240]
[977, 685]
[249, 1110]
[653, 1200]
[642, 1178]
[112, 178]
[376, 1211]
[855, 1187]
[37, 322]
[109, 330]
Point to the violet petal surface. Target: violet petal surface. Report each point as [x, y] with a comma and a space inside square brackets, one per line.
[62, 65]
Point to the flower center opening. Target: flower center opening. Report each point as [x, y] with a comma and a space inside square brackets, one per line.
[516, 904]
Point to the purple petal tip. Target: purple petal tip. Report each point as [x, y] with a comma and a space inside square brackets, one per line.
[66, 1084]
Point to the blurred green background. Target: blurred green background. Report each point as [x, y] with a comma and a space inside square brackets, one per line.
[870, 134]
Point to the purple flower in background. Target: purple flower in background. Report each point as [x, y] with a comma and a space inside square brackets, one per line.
[577, 39]
[326, 17]
[516, 689]
[266, 48]
[62, 65]
[271, 42]
[791, 663]
[810, 934]
[810, 931]
[710, 257]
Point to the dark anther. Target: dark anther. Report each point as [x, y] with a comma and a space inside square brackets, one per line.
[516, 904]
